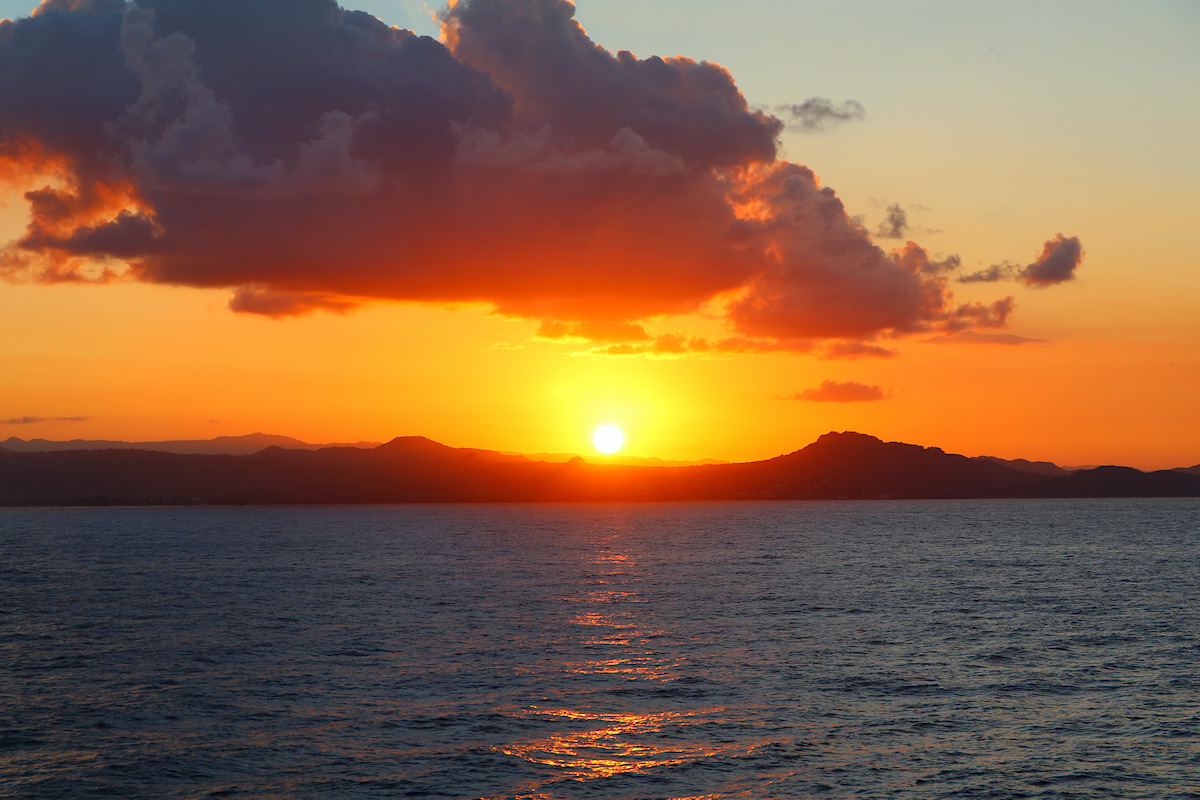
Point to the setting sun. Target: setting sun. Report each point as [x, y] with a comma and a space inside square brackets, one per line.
[608, 439]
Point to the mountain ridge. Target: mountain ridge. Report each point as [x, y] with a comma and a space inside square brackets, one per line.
[244, 444]
[415, 469]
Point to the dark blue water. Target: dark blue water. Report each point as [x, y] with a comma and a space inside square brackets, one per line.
[1000, 649]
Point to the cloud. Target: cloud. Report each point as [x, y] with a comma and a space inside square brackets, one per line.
[975, 337]
[273, 303]
[993, 274]
[306, 157]
[894, 225]
[819, 114]
[677, 344]
[593, 331]
[835, 392]
[36, 420]
[1059, 259]
[850, 351]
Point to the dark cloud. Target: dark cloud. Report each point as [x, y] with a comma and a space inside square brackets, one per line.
[894, 225]
[272, 303]
[1059, 259]
[307, 157]
[993, 274]
[835, 392]
[850, 351]
[36, 420]
[817, 114]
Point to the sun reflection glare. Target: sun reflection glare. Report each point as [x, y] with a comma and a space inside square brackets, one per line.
[611, 743]
[616, 643]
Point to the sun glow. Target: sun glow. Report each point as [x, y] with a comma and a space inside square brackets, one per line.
[608, 439]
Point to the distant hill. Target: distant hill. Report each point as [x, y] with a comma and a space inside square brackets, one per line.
[633, 461]
[1022, 465]
[221, 445]
[416, 469]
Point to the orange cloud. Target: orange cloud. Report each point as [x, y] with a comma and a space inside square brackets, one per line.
[849, 351]
[975, 337]
[835, 392]
[310, 157]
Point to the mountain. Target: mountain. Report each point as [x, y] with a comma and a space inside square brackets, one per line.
[1022, 465]
[416, 469]
[221, 445]
[632, 461]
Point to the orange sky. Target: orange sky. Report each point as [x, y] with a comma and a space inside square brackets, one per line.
[429, 278]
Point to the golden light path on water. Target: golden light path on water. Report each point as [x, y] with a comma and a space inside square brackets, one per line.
[600, 744]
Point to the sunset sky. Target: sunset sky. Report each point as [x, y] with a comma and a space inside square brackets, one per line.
[970, 225]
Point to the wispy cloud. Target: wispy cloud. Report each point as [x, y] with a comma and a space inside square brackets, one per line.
[835, 392]
[895, 223]
[819, 114]
[850, 351]
[975, 337]
[1057, 262]
[36, 420]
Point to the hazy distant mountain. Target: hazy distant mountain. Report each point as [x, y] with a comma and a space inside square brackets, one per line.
[227, 445]
[416, 469]
[1036, 467]
[633, 461]
[256, 442]
[1190, 470]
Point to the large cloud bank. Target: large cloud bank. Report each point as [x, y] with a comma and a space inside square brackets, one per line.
[306, 156]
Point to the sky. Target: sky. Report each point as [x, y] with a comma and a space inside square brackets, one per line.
[724, 228]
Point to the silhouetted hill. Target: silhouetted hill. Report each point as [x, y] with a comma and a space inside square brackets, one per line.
[1125, 482]
[1023, 465]
[221, 445]
[618, 458]
[416, 469]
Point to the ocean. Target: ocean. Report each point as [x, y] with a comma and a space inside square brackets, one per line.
[882, 649]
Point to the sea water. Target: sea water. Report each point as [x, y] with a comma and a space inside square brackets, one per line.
[997, 649]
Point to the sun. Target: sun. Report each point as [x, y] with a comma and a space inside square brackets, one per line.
[608, 439]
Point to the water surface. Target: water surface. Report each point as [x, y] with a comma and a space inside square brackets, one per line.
[942, 649]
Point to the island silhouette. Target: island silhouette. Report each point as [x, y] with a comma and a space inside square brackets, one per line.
[415, 469]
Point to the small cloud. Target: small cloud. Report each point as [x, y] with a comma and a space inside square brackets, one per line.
[675, 345]
[994, 273]
[850, 351]
[36, 420]
[835, 392]
[915, 259]
[600, 331]
[1059, 259]
[974, 337]
[272, 303]
[895, 224]
[819, 114]
[1057, 263]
